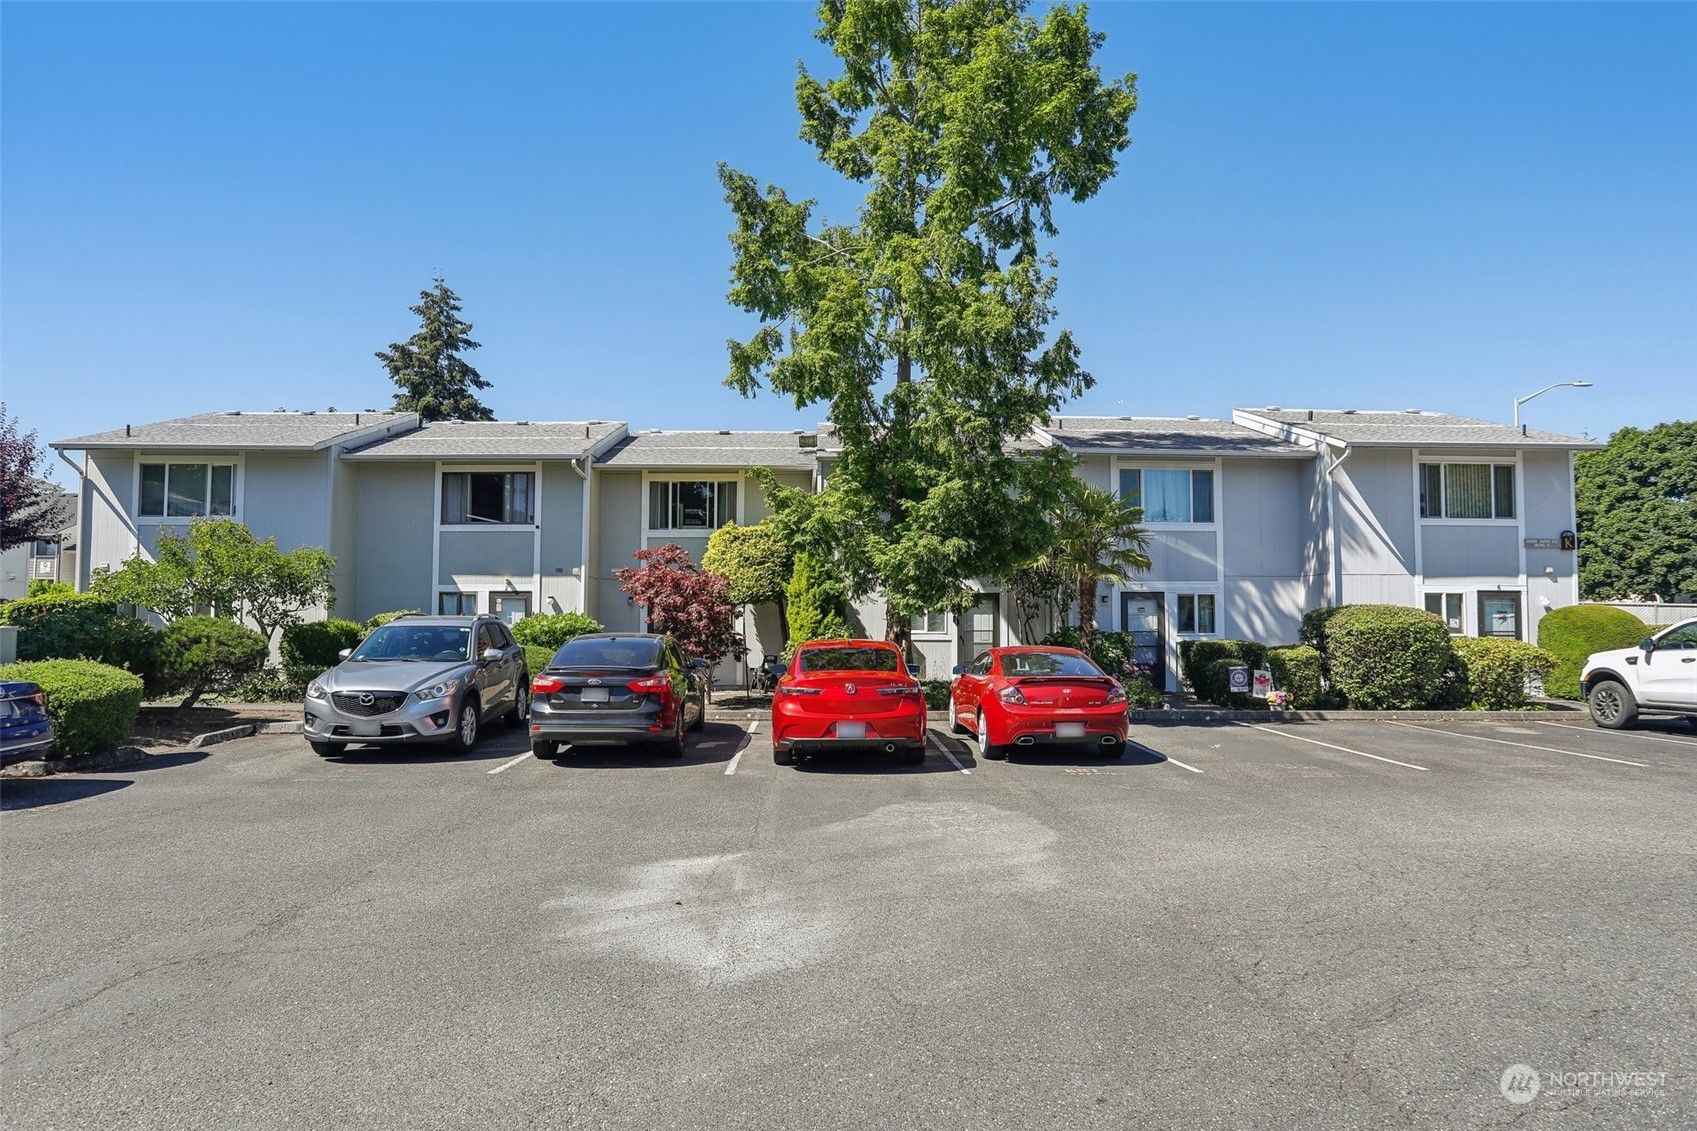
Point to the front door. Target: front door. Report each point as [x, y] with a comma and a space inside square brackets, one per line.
[1499, 615]
[1143, 617]
[510, 607]
[980, 628]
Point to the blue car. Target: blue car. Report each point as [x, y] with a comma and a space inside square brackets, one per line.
[25, 730]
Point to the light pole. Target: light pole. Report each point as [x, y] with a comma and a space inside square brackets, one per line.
[1541, 392]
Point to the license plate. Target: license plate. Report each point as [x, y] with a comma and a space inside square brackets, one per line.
[1069, 730]
[365, 730]
[595, 695]
[851, 730]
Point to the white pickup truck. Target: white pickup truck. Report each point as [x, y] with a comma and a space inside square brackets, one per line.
[1659, 677]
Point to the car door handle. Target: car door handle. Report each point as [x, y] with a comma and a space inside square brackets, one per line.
[1689, 660]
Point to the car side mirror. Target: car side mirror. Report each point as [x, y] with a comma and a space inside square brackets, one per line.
[491, 654]
[1647, 644]
[344, 653]
[957, 670]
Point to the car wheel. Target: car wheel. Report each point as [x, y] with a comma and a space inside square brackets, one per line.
[547, 751]
[700, 716]
[520, 714]
[955, 725]
[784, 757]
[1612, 705]
[985, 748]
[465, 734]
[673, 745]
[328, 749]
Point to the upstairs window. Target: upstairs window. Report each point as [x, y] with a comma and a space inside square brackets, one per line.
[1466, 490]
[933, 623]
[488, 498]
[187, 490]
[691, 504]
[1184, 495]
[44, 548]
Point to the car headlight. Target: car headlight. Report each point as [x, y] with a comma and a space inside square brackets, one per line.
[315, 690]
[438, 690]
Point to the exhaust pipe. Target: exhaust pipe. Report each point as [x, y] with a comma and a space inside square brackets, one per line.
[1109, 740]
[889, 748]
[1025, 740]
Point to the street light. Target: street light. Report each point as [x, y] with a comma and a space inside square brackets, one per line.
[1541, 392]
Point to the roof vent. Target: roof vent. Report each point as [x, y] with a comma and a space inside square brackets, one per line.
[809, 440]
[1193, 416]
[238, 412]
[522, 423]
[1412, 411]
[1060, 423]
[724, 431]
[1311, 414]
[126, 433]
[1272, 408]
[1349, 412]
[309, 412]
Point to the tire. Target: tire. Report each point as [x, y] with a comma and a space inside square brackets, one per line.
[985, 748]
[784, 757]
[519, 714]
[1692, 719]
[544, 749]
[700, 718]
[1612, 705]
[328, 749]
[955, 725]
[466, 728]
[673, 747]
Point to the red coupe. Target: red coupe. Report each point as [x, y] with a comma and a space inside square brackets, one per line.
[847, 695]
[1037, 696]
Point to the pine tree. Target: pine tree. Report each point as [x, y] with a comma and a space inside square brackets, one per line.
[435, 381]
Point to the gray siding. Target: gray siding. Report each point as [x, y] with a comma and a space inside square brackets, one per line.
[618, 533]
[395, 530]
[344, 533]
[288, 498]
[561, 520]
[1548, 492]
[1181, 556]
[1266, 610]
[1097, 471]
[1263, 504]
[107, 499]
[1470, 551]
[486, 554]
[1375, 521]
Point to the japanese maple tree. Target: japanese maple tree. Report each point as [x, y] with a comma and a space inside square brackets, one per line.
[682, 600]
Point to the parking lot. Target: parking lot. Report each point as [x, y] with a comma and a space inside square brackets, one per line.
[1339, 924]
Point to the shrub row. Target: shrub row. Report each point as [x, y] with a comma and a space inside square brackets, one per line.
[66, 625]
[93, 705]
[550, 630]
[313, 647]
[1206, 665]
[1571, 634]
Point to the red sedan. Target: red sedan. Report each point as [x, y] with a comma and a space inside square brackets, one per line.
[847, 695]
[1037, 696]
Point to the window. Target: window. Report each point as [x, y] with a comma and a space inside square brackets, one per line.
[691, 504]
[44, 548]
[928, 624]
[456, 604]
[1499, 615]
[1466, 490]
[495, 498]
[981, 666]
[1448, 606]
[1196, 613]
[187, 490]
[1170, 494]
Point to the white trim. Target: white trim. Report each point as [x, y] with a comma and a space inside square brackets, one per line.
[536, 542]
[531, 468]
[587, 487]
[1125, 463]
[692, 475]
[1573, 515]
[436, 525]
[1520, 538]
[1419, 536]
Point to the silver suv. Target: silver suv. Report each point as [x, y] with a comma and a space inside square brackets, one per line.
[420, 679]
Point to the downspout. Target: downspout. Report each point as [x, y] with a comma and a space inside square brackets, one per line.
[583, 539]
[1334, 566]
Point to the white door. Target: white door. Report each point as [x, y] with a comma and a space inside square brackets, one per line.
[1669, 674]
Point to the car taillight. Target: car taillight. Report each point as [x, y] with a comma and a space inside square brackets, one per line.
[1010, 695]
[650, 684]
[39, 698]
[546, 685]
[792, 690]
[900, 689]
[1117, 695]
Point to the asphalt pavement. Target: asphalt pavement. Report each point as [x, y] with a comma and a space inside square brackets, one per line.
[1315, 925]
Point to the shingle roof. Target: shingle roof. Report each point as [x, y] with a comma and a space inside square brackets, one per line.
[711, 449]
[1162, 434]
[495, 440]
[246, 431]
[1413, 428]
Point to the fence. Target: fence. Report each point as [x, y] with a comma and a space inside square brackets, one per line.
[1656, 613]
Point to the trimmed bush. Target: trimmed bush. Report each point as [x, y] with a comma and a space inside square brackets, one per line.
[215, 655]
[1493, 673]
[1206, 666]
[311, 648]
[63, 625]
[381, 619]
[1140, 694]
[538, 657]
[93, 706]
[552, 630]
[1572, 633]
[1296, 669]
[936, 694]
[1113, 651]
[1387, 657]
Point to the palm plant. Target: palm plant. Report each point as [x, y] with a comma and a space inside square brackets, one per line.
[1096, 536]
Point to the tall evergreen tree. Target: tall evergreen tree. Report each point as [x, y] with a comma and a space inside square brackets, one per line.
[923, 324]
[435, 381]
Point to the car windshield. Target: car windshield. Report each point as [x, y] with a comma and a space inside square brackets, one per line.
[413, 642]
[1047, 663]
[608, 652]
[849, 659]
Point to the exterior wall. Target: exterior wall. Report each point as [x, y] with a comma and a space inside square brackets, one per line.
[561, 522]
[1375, 527]
[286, 497]
[396, 530]
[344, 533]
[618, 526]
[109, 535]
[1470, 552]
[1552, 576]
[1269, 575]
[476, 559]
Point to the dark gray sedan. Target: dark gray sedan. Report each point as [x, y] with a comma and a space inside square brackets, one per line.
[617, 689]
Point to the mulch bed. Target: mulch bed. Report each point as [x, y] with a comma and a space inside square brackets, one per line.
[155, 727]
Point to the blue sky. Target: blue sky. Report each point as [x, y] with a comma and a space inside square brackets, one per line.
[210, 206]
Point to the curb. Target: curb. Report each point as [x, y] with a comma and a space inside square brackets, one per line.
[133, 755]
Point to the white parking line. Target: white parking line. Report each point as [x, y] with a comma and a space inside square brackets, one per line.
[509, 765]
[1632, 734]
[1182, 765]
[736, 759]
[1329, 746]
[1522, 745]
[938, 746]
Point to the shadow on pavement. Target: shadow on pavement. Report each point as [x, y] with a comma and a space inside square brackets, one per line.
[167, 761]
[878, 762]
[37, 793]
[492, 746]
[713, 743]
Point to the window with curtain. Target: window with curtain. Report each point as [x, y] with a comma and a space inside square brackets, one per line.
[1466, 490]
[1196, 613]
[928, 623]
[691, 504]
[1169, 494]
[187, 490]
[488, 498]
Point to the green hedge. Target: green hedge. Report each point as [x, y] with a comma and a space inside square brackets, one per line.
[215, 655]
[1493, 673]
[309, 649]
[1386, 657]
[550, 630]
[1140, 694]
[379, 620]
[936, 694]
[1112, 651]
[1296, 669]
[93, 706]
[66, 625]
[1572, 633]
[1206, 664]
[537, 657]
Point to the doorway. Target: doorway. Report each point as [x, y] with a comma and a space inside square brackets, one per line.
[980, 627]
[1143, 617]
[1499, 615]
[510, 607]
